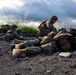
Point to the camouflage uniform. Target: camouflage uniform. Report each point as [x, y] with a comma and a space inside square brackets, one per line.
[48, 48]
[19, 31]
[61, 41]
[28, 43]
[47, 29]
[34, 47]
[47, 26]
[10, 34]
[66, 39]
[72, 39]
[4, 29]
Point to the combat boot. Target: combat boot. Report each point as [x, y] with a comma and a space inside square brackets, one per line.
[17, 52]
[15, 41]
[29, 51]
[25, 44]
[20, 46]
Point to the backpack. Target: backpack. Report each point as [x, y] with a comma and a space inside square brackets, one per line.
[62, 40]
[42, 26]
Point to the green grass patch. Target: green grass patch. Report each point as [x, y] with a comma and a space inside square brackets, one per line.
[31, 30]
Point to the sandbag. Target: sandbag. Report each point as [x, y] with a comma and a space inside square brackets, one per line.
[5, 28]
[60, 36]
[62, 41]
[48, 38]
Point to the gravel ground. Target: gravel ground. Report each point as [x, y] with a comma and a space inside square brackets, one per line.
[35, 65]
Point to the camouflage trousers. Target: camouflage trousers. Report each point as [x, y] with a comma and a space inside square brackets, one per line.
[35, 42]
[33, 50]
[30, 48]
[48, 48]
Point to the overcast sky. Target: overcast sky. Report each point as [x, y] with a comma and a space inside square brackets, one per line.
[41, 9]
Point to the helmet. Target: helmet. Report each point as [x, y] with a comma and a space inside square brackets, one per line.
[18, 30]
[14, 26]
[54, 17]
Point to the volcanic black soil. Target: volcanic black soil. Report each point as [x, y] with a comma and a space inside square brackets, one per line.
[35, 65]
